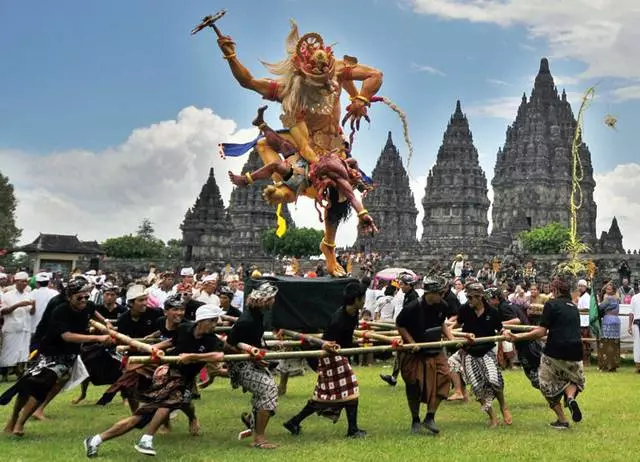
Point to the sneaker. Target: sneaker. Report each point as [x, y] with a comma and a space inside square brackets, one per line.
[576, 414]
[431, 426]
[416, 427]
[559, 425]
[90, 449]
[145, 448]
[293, 427]
[390, 379]
[357, 434]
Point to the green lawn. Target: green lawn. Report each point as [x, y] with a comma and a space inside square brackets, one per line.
[609, 430]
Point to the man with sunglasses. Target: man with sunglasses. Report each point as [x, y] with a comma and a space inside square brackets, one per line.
[59, 352]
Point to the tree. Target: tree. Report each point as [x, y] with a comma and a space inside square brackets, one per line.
[549, 239]
[173, 250]
[9, 232]
[146, 230]
[297, 242]
[131, 246]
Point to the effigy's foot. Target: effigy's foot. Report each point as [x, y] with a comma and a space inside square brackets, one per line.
[259, 120]
[333, 267]
[238, 180]
[275, 195]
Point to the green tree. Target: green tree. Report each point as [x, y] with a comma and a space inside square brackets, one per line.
[549, 239]
[131, 246]
[297, 242]
[146, 230]
[9, 232]
[173, 250]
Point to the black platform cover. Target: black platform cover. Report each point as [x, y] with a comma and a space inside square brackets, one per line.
[302, 304]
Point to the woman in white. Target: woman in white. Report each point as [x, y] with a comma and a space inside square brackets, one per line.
[634, 329]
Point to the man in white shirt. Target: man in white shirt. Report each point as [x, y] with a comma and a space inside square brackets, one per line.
[16, 307]
[207, 293]
[41, 295]
[371, 295]
[163, 289]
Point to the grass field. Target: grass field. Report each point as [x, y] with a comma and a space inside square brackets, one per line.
[609, 430]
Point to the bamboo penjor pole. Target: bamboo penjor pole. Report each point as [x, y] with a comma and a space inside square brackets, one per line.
[313, 340]
[321, 353]
[124, 338]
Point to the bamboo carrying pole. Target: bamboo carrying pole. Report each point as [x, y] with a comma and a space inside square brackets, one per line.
[253, 351]
[322, 353]
[124, 338]
[377, 324]
[367, 334]
[313, 340]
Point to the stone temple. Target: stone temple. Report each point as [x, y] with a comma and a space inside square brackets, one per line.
[213, 233]
[391, 205]
[532, 178]
[455, 201]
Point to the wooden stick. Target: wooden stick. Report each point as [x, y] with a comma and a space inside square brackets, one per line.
[314, 340]
[321, 353]
[377, 324]
[367, 334]
[124, 338]
[253, 351]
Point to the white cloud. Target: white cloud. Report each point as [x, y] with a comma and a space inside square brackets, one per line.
[500, 108]
[617, 195]
[497, 82]
[603, 34]
[626, 93]
[428, 69]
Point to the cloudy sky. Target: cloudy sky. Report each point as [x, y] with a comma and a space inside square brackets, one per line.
[111, 112]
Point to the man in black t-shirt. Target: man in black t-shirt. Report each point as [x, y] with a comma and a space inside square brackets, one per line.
[140, 320]
[529, 352]
[110, 309]
[406, 282]
[425, 370]
[480, 365]
[561, 370]
[254, 376]
[337, 386]
[59, 349]
[195, 343]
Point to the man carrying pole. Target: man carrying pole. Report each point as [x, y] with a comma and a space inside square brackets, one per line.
[425, 371]
[337, 387]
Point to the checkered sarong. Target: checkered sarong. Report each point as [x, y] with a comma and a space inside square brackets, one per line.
[484, 376]
[336, 380]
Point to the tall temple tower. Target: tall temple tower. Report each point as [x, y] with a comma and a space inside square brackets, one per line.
[455, 201]
[206, 226]
[532, 181]
[391, 205]
[251, 215]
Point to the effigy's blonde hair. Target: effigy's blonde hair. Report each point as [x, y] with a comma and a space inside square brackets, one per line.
[297, 94]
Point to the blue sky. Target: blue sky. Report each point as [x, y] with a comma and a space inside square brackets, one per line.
[82, 76]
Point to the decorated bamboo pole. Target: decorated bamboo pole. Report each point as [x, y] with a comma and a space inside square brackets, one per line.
[253, 351]
[284, 343]
[377, 324]
[320, 353]
[334, 347]
[367, 334]
[124, 339]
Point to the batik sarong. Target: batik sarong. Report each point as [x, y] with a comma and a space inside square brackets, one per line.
[556, 375]
[484, 376]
